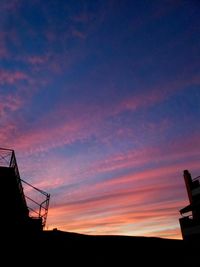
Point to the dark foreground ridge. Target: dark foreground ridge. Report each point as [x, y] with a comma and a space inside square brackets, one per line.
[70, 249]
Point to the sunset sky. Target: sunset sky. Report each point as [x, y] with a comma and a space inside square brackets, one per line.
[101, 102]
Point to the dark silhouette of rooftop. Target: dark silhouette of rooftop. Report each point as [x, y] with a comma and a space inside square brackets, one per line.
[18, 216]
[190, 221]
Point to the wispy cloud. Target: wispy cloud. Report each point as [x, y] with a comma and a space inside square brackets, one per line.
[71, 124]
[161, 154]
[9, 103]
[11, 77]
[146, 197]
[152, 219]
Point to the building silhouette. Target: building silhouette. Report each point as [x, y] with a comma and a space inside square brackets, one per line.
[20, 212]
[190, 220]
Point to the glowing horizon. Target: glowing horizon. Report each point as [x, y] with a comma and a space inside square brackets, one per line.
[101, 101]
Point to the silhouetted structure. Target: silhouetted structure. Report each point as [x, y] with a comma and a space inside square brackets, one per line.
[190, 224]
[16, 214]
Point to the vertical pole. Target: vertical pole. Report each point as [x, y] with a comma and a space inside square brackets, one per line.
[188, 184]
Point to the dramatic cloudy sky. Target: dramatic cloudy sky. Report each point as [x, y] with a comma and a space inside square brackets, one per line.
[101, 102]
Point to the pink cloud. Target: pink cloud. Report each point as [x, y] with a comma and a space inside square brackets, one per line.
[134, 190]
[6, 134]
[146, 202]
[9, 103]
[37, 60]
[157, 94]
[114, 198]
[43, 137]
[141, 101]
[79, 34]
[47, 136]
[67, 131]
[164, 154]
[117, 198]
[36, 63]
[10, 77]
[139, 221]
[74, 125]
[155, 174]
[120, 207]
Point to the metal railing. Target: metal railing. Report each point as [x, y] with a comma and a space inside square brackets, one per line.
[196, 179]
[5, 157]
[40, 209]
